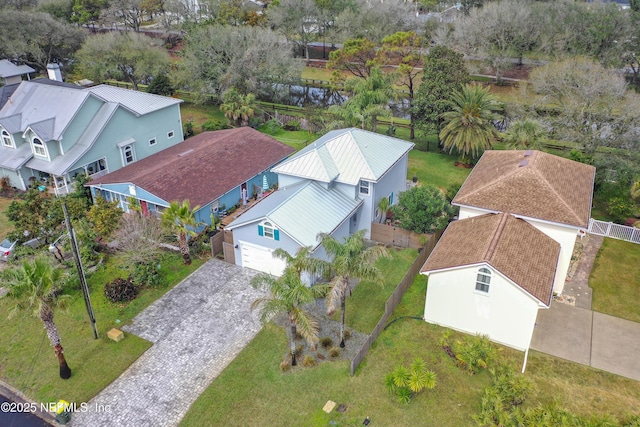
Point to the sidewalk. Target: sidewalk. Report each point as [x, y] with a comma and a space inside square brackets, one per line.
[577, 288]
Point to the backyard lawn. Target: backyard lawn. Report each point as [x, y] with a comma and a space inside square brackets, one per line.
[253, 390]
[5, 225]
[436, 168]
[28, 363]
[615, 279]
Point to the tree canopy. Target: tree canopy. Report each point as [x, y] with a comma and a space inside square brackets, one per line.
[423, 209]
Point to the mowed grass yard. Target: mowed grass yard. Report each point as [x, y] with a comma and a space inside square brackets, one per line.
[5, 225]
[28, 362]
[615, 279]
[252, 391]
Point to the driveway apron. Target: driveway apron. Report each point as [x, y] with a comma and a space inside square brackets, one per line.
[197, 329]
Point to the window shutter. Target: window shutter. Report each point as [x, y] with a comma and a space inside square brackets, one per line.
[391, 201]
[260, 230]
[276, 234]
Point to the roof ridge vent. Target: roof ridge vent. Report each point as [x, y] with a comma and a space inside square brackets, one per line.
[523, 163]
[528, 153]
[184, 153]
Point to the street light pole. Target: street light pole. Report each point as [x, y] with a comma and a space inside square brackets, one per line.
[83, 280]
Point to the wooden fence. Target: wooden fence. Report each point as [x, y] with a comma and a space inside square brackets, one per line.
[216, 243]
[616, 231]
[395, 298]
[396, 236]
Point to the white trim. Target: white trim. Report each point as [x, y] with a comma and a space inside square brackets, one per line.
[123, 153]
[170, 134]
[41, 145]
[523, 217]
[6, 136]
[155, 141]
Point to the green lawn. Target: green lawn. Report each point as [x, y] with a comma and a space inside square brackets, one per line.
[29, 364]
[5, 225]
[199, 114]
[615, 279]
[252, 391]
[436, 168]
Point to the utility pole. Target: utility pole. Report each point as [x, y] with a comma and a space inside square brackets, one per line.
[83, 280]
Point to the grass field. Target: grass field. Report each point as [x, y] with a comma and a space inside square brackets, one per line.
[5, 225]
[615, 279]
[435, 168]
[252, 391]
[28, 363]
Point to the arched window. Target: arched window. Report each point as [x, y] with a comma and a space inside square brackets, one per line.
[6, 139]
[266, 229]
[39, 147]
[483, 280]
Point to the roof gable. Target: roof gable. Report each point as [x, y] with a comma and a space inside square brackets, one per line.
[137, 102]
[204, 167]
[515, 248]
[346, 155]
[532, 184]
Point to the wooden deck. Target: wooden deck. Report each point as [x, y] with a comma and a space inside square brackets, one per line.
[242, 209]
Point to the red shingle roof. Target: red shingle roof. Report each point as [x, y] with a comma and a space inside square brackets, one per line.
[510, 245]
[538, 185]
[204, 167]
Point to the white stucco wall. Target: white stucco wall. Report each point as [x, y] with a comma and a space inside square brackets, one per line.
[506, 313]
[563, 234]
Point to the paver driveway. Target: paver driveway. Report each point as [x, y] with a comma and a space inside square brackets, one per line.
[197, 328]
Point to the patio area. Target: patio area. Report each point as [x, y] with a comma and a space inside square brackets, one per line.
[230, 217]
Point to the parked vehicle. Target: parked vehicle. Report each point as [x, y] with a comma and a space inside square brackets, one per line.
[7, 247]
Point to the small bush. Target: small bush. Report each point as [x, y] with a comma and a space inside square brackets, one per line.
[285, 365]
[335, 352]
[292, 125]
[147, 273]
[326, 342]
[120, 290]
[474, 353]
[272, 127]
[309, 361]
[213, 124]
[299, 351]
[404, 382]
[347, 334]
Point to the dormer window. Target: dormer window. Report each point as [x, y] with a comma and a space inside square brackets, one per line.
[483, 280]
[128, 155]
[6, 139]
[39, 148]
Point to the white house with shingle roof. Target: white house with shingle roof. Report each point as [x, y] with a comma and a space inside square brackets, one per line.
[331, 186]
[520, 214]
[54, 132]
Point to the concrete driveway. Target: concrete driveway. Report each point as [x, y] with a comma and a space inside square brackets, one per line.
[590, 338]
[197, 328]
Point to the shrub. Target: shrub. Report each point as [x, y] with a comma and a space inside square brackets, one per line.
[511, 386]
[147, 273]
[120, 290]
[292, 125]
[473, 353]
[347, 334]
[272, 126]
[403, 382]
[309, 361]
[326, 342]
[213, 124]
[620, 208]
[335, 352]
[188, 129]
[285, 365]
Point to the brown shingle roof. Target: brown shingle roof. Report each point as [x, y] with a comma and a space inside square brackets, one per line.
[204, 167]
[539, 185]
[510, 245]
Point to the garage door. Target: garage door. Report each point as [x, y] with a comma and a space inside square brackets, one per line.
[261, 259]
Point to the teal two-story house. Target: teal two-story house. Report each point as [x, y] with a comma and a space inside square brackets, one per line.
[49, 133]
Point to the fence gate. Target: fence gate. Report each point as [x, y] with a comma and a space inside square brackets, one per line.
[616, 231]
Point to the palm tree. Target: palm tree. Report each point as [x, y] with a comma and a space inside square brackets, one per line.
[237, 107]
[525, 134]
[383, 207]
[35, 287]
[302, 262]
[468, 127]
[181, 221]
[369, 98]
[350, 260]
[287, 294]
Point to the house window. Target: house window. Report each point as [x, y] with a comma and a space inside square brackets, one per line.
[152, 142]
[39, 147]
[266, 229]
[128, 155]
[170, 134]
[364, 187]
[483, 280]
[6, 139]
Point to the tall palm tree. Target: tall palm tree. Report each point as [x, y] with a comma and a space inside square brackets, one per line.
[34, 285]
[526, 134]
[468, 127]
[181, 221]
[238, 108]
[302, 262]
[287, 294]
[350, 259]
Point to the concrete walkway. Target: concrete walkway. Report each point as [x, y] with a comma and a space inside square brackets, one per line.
[197, 329]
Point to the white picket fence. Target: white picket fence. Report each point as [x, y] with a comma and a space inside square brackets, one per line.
[617, 231]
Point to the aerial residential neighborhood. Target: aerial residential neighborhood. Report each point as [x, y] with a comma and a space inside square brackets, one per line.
[319, 213]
